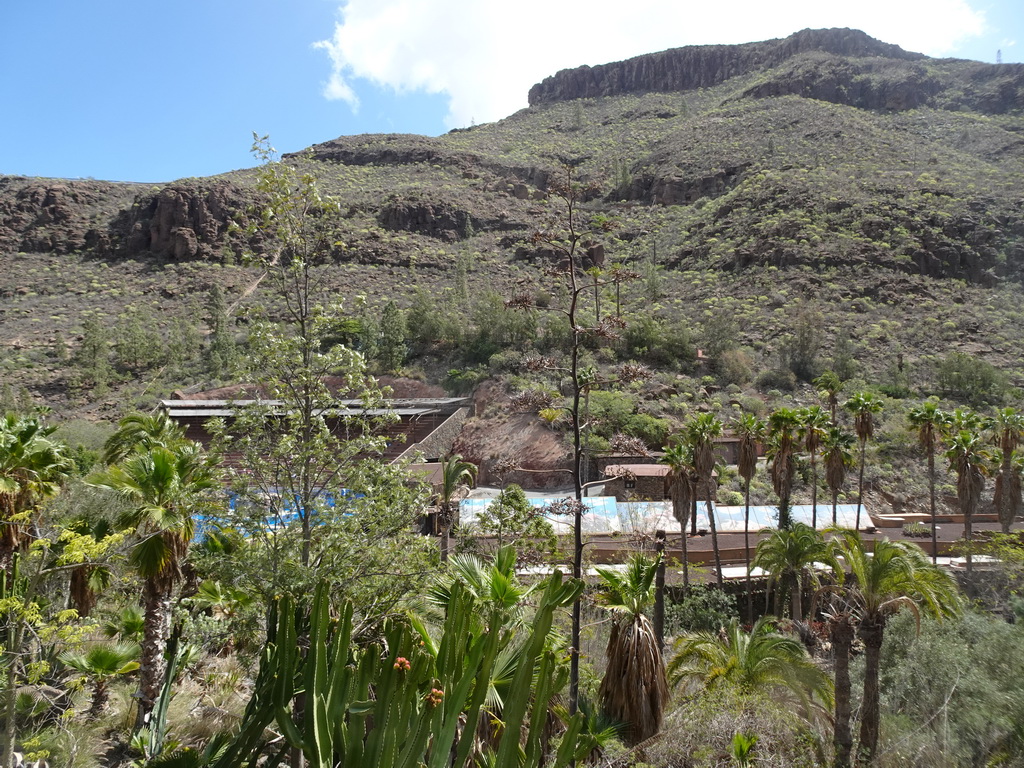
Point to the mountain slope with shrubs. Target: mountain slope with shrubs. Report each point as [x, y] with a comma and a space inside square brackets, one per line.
[823, 201]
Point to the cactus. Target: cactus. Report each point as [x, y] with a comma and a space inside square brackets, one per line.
[401, 703]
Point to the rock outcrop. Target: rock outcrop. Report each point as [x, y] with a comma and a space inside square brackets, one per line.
[56, 215]
[704, 66]
[181, 222]
[842, 66]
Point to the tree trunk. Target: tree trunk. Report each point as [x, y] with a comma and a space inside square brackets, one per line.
[860, 482]
[746, 552]
[156, 596]
[931, 500]
[10, 686]
[80, 595]
[835, 500]
[814, 491]
[100, 696]
[659, 590]
[1008, 498]
[871, 630]
[969, 537]
[445, 521]
[714, 536]
[795, 597]
[842, 639]
[686, 559]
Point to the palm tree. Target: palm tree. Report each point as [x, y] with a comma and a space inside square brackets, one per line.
[701, 433]
[927, 419]
[164, 487]
[682, 480]
[1007, 493]
[456, 474]
[962, 419]
[1008, 426]
[128, 625]
[837, 451]
[634, 689]
[782, 429]
[140, 432]
[750, 430]
[763, 661]
[32, 469]
[88, 579]
[896, 575]
[829, 386]
[970, 460]
[102, 662]
[863, 406]
[788, 555]
[813, 425]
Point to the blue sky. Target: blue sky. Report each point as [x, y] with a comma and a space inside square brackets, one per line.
[139, 91]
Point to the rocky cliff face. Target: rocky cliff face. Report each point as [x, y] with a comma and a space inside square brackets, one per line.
[704, 66]
[842, 66]
[56, 215]
[181, 222]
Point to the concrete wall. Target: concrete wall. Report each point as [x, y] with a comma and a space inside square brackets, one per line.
[438, 443]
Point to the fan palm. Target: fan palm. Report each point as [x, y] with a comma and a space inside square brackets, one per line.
[762, 661]
[701, 433]
[829, 386]
[455, 475]
[863, 406]
[1008, 429]
[897, 575]
[102, 663]
[837, 451]
[634, 689]
[682, 480]
[749, 430]
[927, 420]
[87, 579]
[789, 555]
[32, 469]
[141, 432]
[961, 419]
[782, 428]
[164, 488]
[128, 625]
[814, 423]
[970, 460]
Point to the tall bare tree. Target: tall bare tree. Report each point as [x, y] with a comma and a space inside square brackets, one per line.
[750, 431]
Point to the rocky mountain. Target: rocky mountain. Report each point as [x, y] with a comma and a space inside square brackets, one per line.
[827, 175]
[841, 66]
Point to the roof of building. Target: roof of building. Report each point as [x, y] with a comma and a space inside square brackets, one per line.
[637, 470]
[408, 407]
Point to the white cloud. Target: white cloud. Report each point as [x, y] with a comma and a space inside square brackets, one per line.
[485, 56]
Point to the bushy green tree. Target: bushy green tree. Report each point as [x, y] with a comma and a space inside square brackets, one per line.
[93, 355]
[139, 345]
[512, 519]
[963, 377]
[953, 690]
[392, 348]
[310, 484]
[221, 352]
